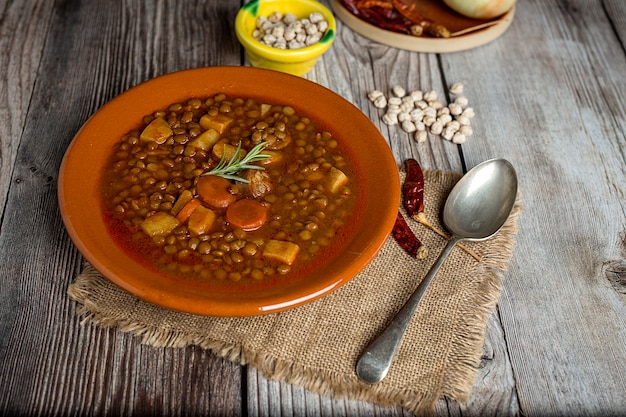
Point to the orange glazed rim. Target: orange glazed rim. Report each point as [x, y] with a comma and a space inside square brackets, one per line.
[79, 182]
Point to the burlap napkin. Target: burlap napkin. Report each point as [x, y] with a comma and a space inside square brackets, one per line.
[318, 344]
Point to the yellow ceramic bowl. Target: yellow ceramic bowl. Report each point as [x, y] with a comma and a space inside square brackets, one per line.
[292, 61]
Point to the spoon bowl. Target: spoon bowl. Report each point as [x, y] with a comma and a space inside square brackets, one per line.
[476, 209]
[481, 201]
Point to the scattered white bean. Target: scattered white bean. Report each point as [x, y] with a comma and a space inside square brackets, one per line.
[466, 130]
[455, 109]
[374, 94]
[406, 107]
[394, 109]
[430, 95]
[461, 101]
[463, 120]
[390, 119]
[456, 88]
[436, 128]
[442, 111]
[380, 102]
[403, 117]
[421, 136]
[458, 138]
[421, 112]
[416, 115]
[417, 95]
[454, 125]
[398, 91]
[444, 119]
[435, 104]
[421, 104]
[447, 133]
[408, 126]
[468, 112]
[430, 112]
[429, 120]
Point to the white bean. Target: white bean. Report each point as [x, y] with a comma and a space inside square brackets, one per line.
[408, 126]
[380, 102]
[374, 94]
[287, 32]
[421, 136]
[456, 88]
[390, 119]
[398, 91]
[458, 138]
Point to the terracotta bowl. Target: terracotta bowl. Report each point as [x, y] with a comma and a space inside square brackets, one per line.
[83, 164]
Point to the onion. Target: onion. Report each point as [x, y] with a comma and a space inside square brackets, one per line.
[480, 9]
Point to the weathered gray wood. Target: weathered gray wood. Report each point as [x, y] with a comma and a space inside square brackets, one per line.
[50, 364]
[548, 96]
[21, 43]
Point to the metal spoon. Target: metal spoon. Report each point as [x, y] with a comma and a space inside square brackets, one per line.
[477, 207]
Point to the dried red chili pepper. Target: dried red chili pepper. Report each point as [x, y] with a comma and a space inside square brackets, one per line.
[407, 239]
[413, 200]
[382, 17]
[413, 188]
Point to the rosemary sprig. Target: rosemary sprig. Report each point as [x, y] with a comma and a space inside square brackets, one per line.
[229, 169]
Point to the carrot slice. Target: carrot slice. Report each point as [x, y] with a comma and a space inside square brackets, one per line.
[187, 209]
[215, 191]
[246, 214]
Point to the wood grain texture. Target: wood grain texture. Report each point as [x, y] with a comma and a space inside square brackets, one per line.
[50, 363]
[549, 96]
[553, 106]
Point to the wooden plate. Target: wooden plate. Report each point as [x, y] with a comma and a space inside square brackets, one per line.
[437, 11]
[84, 161]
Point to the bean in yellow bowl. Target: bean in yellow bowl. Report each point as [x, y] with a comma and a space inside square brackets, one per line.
[312, 19]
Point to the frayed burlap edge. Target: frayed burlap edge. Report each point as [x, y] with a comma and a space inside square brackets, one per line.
[458, 378]
[315, 380]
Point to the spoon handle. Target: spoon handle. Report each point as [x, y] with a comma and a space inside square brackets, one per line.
[376, 359]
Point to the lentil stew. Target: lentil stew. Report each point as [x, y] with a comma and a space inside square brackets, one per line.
[375, 182]
[171, 201]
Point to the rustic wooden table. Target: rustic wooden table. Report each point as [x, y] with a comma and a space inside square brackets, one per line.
[549, 96]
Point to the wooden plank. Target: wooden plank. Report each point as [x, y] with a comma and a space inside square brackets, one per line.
[549, 98]
[50, 363]
[21, 45]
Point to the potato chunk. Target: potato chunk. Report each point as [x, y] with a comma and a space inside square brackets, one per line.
[201, 220]
[182, 200]
[282, 251]
[158, 131]
[218, 122]
[336, 179]
[159, 224]
[206, 140]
